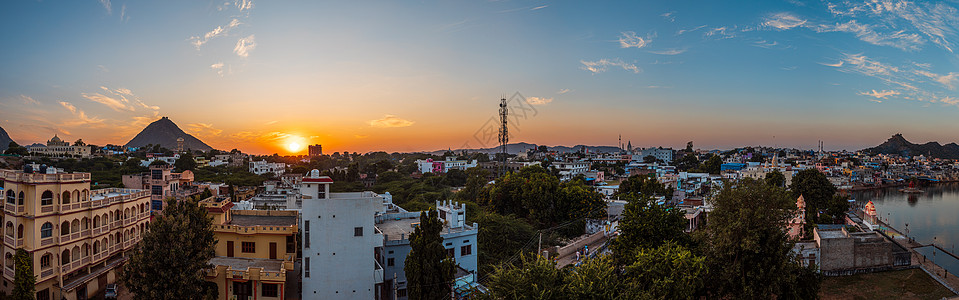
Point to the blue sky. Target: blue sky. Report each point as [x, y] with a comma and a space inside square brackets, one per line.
[407, 76]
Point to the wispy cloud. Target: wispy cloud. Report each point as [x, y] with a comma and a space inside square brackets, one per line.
[218, 68]
[29, 100]
[539, 100]
[107, 5]
[765, 44]
[244, 4]
[937, 21]
[198, 41]
[669, 52]
[391, 121]
[682, 31]
[123, 13]
[115, 104]
[539, 7]
[271, 122]
[880, 94]
[669, 16]
[563, 91]
[723, 32]
[899, 39]
[119, 99]
[948, 80]
[80, 117]
[244, 46]
[783, 21]
[836, 65]
[603, 65]
[203, 129]
[629, 39]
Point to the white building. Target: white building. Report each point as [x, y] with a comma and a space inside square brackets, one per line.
[342, 248]
[568, 170]
[263, 167]
[442, 166]
[170, 160]
[663, 154]
[60, 148]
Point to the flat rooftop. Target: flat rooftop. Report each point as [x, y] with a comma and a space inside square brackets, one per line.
[239, 263]
[254, 220]
[400, 228]
[831, 234]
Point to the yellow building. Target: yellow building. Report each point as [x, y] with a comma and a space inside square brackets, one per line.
[255, 251]
[77, 237]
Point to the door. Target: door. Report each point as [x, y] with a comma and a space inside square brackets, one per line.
[242, 290]
[272, 250]
[229, 248]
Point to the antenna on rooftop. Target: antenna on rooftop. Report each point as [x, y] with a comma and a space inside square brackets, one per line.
[503, 132]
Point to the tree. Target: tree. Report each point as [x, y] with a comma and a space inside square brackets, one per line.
[174, 255]
[79, 142]
[596, 278]
[775, 178]
[158, 162]
[747, 249]
[15, 149]
[428, 269]
[185, 162]
[646, 224]
[455, 177]
[535, 278]
[669, 271]
[644, 185]
[24, 281]
[816, 190]
[713, 165]
[689, 146]
[687, 162]
[649, 159]
[508, 233]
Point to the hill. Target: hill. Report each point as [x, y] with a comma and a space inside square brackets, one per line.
[4, 139]
[164, 132]
[897, 144]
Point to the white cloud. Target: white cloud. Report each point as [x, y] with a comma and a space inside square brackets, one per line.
[783, 21]
[118, 99]
[218, 67]
[203, 129]
[669, 52]
[947, 80]
[123, 12]
[29, 100]
[670, 16]
[838, 64]
[391, 121]
[218, 31]
[81, 117]
[880, 94]
[115, 104]
[937, 21]
[538, 100]
[244, 45]
[539, 7]
[722, 32]
[765, 44]
[867, 33]
[602, 65]
[949, 100]
[629, 39]
[681, 31]
[563, 91]
[107, 5]
[244, 4]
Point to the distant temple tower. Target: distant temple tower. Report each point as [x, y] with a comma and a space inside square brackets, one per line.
[179, 144]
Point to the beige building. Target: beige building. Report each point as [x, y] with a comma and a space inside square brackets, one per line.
[255, 252]
[77, 237]
[58, 147]
[162, 183]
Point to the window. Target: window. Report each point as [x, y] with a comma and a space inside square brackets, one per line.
[399, 293]
[306, 239]
[248, 247]
[357, 231]
[466, 250]
[43, 295]
[451, 252]
[306, 268]
[20, 199]
[46, 198]
[306, 225]
[156, 174]
[156, 190]
[45, 261]
[389, 262]
[270, 290]
[46, 230]
[11, 197]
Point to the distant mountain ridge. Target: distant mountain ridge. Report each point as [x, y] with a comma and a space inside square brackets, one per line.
[897, 144]
[164, 132]
[515, 148]
[4, 139]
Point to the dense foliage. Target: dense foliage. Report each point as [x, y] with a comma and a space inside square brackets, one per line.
[428, 269]
[24, 280]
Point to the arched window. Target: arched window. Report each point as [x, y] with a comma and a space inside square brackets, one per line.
[126, 213]
[86, 250]
[65, 228]
[20, 231]
[65, 257]
[20, 199]
[85, 224]
[86, 195]
[104, 221]
[111, 218]
[11, 197]
[46, 198]
[75, 226]
[8, 261]
[105, 244]
[9, 229]
[66, 198]
[45, 260]
[116, 213]
[96, 221]
[46, 230]
[76, 196]
[76, 253]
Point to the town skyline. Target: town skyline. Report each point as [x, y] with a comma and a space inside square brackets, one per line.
[259, 76]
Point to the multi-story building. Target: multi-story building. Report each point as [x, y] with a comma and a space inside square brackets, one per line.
[459, 239]
[441, 166]
[255, 252]
[76, 237]
[315, 150]
[263, 167]
[162, 183]
[342, 249]
[58, 147]
[568, 170]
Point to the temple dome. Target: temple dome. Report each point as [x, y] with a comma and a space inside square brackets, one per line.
[870, 209]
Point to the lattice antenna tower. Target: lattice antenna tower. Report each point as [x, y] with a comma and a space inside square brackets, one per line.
[503, 133]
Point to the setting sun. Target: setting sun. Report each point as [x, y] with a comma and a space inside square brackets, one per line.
[294, 147]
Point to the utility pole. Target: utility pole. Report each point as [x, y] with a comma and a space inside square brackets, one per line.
[539, 248]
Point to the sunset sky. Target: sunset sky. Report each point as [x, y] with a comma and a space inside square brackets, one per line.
[410, 76]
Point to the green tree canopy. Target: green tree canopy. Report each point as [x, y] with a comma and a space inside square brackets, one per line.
[775, 178]
[24, 281]
[713, 165]
[644, 185]
[185, 162]
[174, 255]
[646, 224]
[428, 270]
[816, 190]
[669, 271]
[15, 149]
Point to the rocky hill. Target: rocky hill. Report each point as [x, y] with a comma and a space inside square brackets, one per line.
[164, 132]
[4, 139]
[899, 145]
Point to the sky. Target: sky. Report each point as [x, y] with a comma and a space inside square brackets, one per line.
[404, 76]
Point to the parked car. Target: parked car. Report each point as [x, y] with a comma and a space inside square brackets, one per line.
[111, 291]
